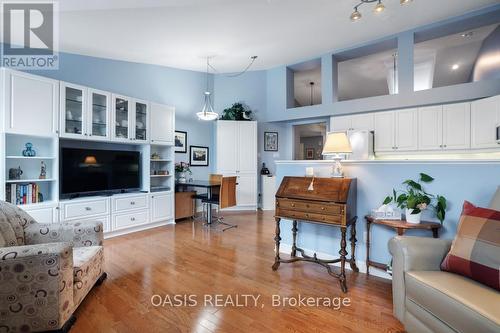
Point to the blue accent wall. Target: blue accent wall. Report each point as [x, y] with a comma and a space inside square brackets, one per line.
[457, 181]
[180, 88]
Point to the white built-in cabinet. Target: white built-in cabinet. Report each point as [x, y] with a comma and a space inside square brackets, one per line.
[130, 118]
[444, 127]
[162, 124]
[396, 130]
[485, 117]
[352, 123]
[30, 104]
[237, 156]
[161, 206]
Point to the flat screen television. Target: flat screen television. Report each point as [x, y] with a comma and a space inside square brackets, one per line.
[92, 172]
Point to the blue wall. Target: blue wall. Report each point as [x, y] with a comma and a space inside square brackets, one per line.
[457, 181]
[180, 88]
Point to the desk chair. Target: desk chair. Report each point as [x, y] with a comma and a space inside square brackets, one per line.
[225, 198]
[213, 177]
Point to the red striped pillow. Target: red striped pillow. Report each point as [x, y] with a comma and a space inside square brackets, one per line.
[475, 252]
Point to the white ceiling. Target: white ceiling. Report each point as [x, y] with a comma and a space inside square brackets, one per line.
[181, 33]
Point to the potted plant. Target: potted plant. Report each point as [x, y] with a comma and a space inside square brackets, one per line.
[415, 199]
[181, 169]
[236, 112]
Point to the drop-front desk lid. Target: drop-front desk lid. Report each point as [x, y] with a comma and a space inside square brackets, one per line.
[317, 189]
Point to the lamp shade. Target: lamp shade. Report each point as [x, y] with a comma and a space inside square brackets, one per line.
[337, 143]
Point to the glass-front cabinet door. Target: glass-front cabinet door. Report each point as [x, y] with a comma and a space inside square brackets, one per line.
[98, 114]
[141, 120]
[121, 118]
[73, 106]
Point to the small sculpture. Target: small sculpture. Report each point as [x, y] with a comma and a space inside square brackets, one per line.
[43, 171]
[29, 151]
[155, 156]
[15, 174]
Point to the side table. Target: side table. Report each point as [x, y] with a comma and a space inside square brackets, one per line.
[400, 227]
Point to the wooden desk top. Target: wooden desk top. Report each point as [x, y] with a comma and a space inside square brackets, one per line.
[424, 225]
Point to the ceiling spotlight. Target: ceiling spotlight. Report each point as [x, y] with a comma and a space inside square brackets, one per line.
[467, 34]
[379, 8]
[355, 16]
[404, 2]
[455, 67]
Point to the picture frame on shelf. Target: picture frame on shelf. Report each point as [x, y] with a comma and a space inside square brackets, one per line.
[180, 142]
[198, 156]
[270, 141]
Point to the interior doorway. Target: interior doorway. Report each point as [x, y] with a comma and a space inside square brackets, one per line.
[309, 140]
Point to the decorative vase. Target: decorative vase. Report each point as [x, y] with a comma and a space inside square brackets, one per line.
[412, 218]
[182, 178]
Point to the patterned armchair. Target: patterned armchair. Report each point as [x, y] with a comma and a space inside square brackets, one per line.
[46, 270]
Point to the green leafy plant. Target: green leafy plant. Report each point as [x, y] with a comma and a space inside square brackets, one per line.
[182, 167]
[236, 112]
[415, 197]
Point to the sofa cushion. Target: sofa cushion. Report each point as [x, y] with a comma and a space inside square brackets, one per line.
[495, 202]
[17, 218]
[475, 252]
[7, 235]
[88, 264]
[459, 302]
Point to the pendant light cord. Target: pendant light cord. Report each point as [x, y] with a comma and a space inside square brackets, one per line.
[252, 60]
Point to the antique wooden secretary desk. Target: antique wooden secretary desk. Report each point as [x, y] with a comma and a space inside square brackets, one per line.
[327, 201]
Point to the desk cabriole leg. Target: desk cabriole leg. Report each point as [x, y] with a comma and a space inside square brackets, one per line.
[277, 240]
[368, 225]
[343, 254]
[435, 233]
[294, 245]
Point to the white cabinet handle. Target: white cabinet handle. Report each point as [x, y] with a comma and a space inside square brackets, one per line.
[88, 208]
[132, 203]
[132, 219]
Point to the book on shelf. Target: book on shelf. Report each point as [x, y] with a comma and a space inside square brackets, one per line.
[23, 194]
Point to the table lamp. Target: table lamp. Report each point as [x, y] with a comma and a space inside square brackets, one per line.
[337, 143]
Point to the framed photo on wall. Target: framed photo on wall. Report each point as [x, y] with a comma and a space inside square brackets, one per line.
[180, 140]
[270, 141]
[198, 156]
[309, 153]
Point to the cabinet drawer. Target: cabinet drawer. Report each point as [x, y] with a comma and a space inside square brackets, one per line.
[130, 203]
[333, 219]
[123, 221]
[322, 208]
[84, 209]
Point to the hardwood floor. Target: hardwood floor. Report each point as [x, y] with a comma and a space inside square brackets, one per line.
[189, 259]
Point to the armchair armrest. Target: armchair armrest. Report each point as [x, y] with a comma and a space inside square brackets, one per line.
[413, 254]
[37, 281]
[86, 233]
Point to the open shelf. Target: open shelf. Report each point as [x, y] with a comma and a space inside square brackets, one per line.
[30, 158]
[161, 160]
[17, 181]
[154, 176]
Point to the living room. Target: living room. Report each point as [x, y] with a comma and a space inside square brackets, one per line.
[242, 166]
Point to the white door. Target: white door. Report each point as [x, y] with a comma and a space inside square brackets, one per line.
[227, 146]
[384, 131]
[247, 147]
[406, 130]
[430, 128]
[484, 119]
[362, 122]
[246, 190]
[161, 207]
[162, 124]
[121, 119]
[73, 111]
[456, 126]
[140, 121]
[31, 104]
[99, 114]
[340, 123]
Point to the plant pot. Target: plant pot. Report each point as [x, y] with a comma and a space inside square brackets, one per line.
[182, 178]
[412, 218]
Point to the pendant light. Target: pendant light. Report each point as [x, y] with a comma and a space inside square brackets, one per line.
[207, 113]
[379, 8]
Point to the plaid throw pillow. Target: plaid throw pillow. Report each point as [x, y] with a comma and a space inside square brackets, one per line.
[475, 252]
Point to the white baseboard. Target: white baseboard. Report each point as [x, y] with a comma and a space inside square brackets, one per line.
[287, 248]
[137, 228]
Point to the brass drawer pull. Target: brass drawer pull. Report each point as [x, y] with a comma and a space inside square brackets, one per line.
[293, 205]
[322, 208]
